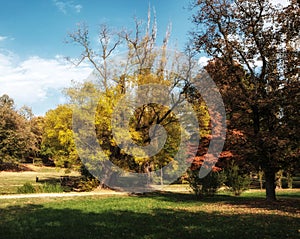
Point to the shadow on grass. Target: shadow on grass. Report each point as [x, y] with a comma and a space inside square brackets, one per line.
[37, 221]
[59, 179]
[285, 203]
[289, 195]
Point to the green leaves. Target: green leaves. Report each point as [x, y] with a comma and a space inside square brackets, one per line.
[237, 180]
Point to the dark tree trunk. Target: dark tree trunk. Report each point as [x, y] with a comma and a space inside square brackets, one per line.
[256, 125]
[270, 185]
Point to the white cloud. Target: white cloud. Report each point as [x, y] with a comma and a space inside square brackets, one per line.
[35, 81]
[65, 6]
[203, 60]
[2, 38]
[61, 6]
[78, 8]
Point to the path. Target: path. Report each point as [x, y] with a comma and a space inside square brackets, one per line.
[71, 194]
[80, 194]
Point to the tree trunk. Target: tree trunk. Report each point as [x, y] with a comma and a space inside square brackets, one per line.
[161, 176]
[256, 125]
[270, 185]
[279, 176]
[260, 176]
[290, 180]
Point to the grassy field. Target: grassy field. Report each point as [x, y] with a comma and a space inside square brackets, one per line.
[10, 181]
[173, 214]
[155, 215]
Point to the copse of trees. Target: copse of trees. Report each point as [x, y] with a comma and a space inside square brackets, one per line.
[25, 138]
[19, 134]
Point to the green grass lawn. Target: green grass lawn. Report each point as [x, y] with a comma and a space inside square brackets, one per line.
[155, 215]
[10, 181]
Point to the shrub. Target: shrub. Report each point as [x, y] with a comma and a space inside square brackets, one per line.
[50, 188]
[208, 185]
[26, 188]
[237, 181]
[44, 188]
[88, 184]
[37, 162]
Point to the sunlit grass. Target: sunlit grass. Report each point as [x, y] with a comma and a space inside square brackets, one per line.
[155, 215]
[10, 181]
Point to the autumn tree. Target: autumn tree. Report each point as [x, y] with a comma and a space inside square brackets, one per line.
[37, 132]
[10, 146]
[115, 81]
[17, 139]
[33, 129]
[260, 38]
[57, 140]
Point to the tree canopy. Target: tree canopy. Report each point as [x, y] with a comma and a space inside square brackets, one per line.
[57, 140]
[131, 97]
[255, 63]
[18, 138]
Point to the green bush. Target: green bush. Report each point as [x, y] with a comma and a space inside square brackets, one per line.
[26, 188]
[50, 188]
[44, 188]
[206, 186]
[237, 181]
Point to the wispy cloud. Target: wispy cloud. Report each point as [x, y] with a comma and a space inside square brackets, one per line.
[2, 38]
[78, 8]
[66, 6]
[37, 82]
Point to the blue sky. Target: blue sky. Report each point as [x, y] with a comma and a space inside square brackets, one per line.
[33, 34]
